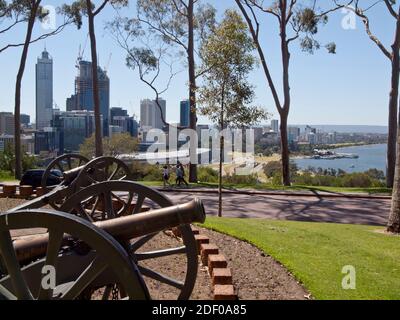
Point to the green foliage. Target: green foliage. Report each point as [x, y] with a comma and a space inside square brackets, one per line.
[207, 174]
[226, 95]
[118, 144]
[7, 160]
[315, 254]
[146, 172]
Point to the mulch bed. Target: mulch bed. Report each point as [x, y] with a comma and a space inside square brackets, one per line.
[256, 276]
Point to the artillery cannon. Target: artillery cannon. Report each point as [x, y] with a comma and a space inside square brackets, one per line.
[99, 238]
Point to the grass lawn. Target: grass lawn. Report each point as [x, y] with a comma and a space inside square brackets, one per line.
[316, 253]
[269, 187]
[6, 176]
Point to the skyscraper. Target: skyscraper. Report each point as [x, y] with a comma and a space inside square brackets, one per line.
[150, 114]
[185, 113]
[44, 91]
[275, 126]
[84, 92]
[7, 123]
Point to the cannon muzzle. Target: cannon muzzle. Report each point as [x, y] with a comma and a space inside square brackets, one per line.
[124, 228]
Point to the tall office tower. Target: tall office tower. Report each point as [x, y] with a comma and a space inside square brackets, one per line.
[84, 92]
[150, 113]
[185, 113]
[25, 119]
[71, 103]
[275, 126]
[44, 91]
[7, 123]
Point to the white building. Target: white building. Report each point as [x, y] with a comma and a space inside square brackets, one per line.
[44, 91]
[275, 126]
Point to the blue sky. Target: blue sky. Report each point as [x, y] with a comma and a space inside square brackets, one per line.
[351, 87]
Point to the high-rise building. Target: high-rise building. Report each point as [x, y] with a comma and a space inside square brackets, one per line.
[84, 92]
[293, 134]
[44, 91]
[150, 113]
[25, 119]
[275, 126]
[7, 123]
[71, 103]
[185, 113]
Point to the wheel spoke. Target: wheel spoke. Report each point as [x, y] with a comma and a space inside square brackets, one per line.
[6, 294]
[160, 277]
[139, 204]
[141, 242]
[114, 173]
[107, 292]
[14, 270]
[53, 248]
[96, 203]
[86, 278]
[159, 254]
[82, 212]
[108, 205]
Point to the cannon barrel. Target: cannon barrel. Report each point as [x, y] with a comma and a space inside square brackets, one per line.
[124, 228]
[70, 175]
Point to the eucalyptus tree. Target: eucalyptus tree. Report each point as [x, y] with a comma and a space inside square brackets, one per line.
[147, 55]
[364, 10]
[183, 23]
[23, 11]
[297, 21]
[226, 94]
[76, 10]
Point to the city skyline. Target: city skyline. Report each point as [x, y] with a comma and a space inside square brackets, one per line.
[327, 89]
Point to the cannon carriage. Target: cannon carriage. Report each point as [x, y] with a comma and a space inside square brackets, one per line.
[94, 240]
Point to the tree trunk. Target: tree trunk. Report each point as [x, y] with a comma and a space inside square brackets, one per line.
[192, 87]
[394, 217]
[284, 112]
[221, 158]
[285, 151]
[393, 104]
[17, 108]
[96, 99]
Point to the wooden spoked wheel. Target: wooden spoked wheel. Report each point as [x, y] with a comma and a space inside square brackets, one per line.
[112, 199]
[83, 259]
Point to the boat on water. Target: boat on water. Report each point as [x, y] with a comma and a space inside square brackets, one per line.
[331, 155]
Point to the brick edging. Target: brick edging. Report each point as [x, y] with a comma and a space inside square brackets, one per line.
[217, 266]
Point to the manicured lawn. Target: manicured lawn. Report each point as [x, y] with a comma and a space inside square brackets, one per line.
[316, 253]
[267, 187]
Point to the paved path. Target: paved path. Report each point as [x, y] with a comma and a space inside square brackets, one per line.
[318, 208]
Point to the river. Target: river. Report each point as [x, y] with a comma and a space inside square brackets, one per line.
[370, 156]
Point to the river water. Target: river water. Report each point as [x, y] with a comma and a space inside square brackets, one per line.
[371, 156]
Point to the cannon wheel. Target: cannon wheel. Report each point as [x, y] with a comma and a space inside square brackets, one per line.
[63, 163]
[102, 169]
[108, 254]
[84, 204]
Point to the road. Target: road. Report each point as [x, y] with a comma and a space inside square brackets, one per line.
[318, 208]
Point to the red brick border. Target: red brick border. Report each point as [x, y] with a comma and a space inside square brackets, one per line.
[217, 265]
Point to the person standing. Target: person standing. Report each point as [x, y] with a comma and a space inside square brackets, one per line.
[166, 176]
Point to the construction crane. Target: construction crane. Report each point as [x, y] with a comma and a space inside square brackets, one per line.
[81, 52]
[108, 63]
